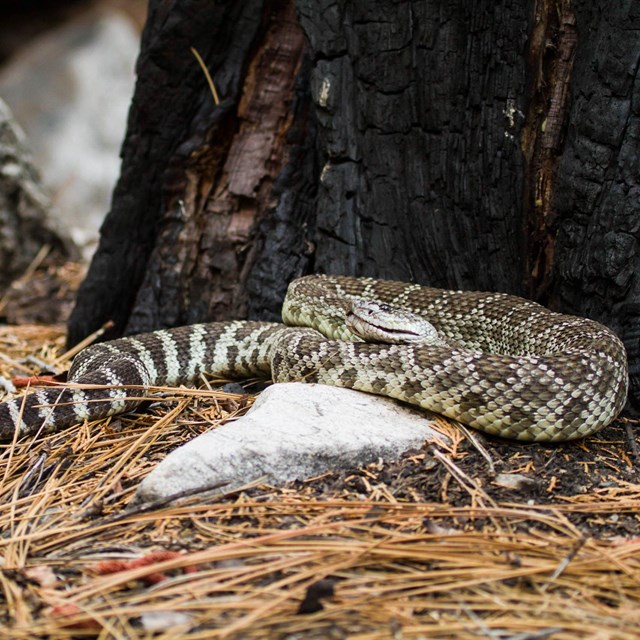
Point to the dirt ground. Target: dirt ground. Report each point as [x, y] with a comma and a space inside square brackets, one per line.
[598, 468]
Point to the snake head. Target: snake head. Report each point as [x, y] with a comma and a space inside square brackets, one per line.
[381, 322]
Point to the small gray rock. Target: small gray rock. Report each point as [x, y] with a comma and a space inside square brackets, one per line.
[515, 481]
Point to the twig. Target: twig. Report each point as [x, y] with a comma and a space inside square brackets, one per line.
[154, 505]
[631, 437]
[564, 563]
[551, 459]
[535, 635]
[476, 443]
[37, 467]
[465, 481]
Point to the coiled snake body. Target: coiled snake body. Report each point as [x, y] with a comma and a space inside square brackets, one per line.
[502, 364]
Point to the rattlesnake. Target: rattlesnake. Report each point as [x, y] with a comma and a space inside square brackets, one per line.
[501, 364]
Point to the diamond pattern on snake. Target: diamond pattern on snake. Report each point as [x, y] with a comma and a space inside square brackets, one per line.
[495, 362]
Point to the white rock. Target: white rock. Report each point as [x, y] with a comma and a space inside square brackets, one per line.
[71, 90]
[293, 431]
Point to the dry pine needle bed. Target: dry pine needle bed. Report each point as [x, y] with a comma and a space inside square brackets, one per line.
[432, 546]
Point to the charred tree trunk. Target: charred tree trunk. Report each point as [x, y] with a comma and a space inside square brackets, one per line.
[465, 145]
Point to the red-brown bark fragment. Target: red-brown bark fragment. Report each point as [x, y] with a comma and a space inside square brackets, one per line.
[255, 156]
[551, 55]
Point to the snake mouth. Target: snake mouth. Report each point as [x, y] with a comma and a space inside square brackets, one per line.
[385, 327]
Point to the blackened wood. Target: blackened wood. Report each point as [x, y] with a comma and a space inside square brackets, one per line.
[208, 245]
[550, 58]
[284, 246]
[597, 198]
[419, 106]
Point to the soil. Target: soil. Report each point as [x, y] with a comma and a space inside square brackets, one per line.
[596, 469]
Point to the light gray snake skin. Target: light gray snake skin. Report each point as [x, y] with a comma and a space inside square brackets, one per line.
[510, 367]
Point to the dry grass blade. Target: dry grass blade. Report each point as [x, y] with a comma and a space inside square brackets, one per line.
[203, 66]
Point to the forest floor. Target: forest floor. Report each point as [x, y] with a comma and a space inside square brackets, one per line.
[435, 545]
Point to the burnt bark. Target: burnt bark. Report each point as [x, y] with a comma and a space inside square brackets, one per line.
[464, 145]
[597, 197]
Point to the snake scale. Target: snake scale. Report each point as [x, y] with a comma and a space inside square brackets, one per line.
[504, 365]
